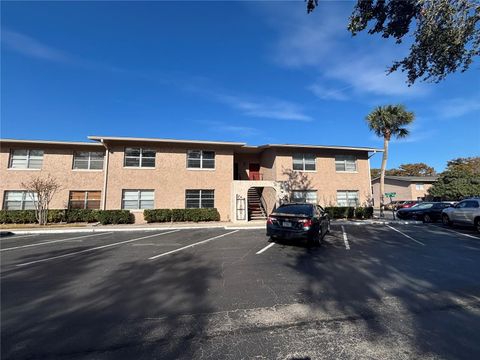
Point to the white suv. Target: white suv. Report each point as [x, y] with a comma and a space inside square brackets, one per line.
[466, 212]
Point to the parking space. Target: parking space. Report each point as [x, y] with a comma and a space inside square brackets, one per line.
[184, 293]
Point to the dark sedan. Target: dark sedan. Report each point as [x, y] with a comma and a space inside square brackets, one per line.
[425, 211]
[299, 221]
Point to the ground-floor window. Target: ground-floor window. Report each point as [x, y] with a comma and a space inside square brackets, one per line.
[138, 199]
[347, 198]
[305, 196]
[84, 200]
[19, 200]
[199, 199]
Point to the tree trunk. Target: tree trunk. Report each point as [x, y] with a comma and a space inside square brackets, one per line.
[382, 174]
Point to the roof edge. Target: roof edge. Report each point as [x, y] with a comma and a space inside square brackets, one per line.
[50, 142]
[160, 140]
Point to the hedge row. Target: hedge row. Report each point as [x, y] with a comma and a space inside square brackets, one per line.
[68, 216]
[349, 212]
[178, 215]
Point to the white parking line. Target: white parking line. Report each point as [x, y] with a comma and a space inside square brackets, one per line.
[467, 235]
[407, 236]
[51, 242]
[13, 237]
[95, 248]
[191, 245]
[345, 239]
[265, 248]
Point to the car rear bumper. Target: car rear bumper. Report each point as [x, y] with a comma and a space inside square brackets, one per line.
[289, 233]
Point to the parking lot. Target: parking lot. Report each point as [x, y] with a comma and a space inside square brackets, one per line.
[370, 291]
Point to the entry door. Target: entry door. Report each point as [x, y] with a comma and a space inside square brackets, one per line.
[254, 171]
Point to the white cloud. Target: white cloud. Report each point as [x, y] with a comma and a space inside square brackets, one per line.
[31, 47]
[266, 108]
[320, 43]
[459, 107]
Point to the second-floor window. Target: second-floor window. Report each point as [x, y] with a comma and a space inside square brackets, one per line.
[26, 159]
[88, 160]
[200, 159]
[19, 200]
[138, 199]
[304, 162]
[139, 157]
[346, 163]
[418, 186]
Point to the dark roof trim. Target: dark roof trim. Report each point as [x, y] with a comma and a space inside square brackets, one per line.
[409, 178]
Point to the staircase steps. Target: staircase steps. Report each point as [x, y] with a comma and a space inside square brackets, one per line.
[256, 210]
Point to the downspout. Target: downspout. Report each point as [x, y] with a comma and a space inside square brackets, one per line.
[370, 177]
[105, 175]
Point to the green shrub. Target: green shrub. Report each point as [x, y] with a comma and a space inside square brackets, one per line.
[340, 212]
[115, 217]
[368, 212]
[18, 217]
[359, 212]
[206, 214]
[178, 215]
[81, 215]
[56, 215]
[157, 215]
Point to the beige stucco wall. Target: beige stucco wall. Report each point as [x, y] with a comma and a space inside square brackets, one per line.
[404, 190]
[325, 179]
[57, 161]
[170, 178]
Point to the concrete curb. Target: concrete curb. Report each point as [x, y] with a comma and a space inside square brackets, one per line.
[376, 222]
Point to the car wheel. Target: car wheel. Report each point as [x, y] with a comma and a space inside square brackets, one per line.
[477, 225]
[445, 220]
[427, 218]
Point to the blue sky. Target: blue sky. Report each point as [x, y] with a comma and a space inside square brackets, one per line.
[259, 72]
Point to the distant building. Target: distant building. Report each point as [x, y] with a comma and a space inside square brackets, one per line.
[405, 187]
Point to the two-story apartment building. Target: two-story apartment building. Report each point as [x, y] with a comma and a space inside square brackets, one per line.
[242, 182]
[404, 187]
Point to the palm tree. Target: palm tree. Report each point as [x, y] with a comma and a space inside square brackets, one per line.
[387, 121]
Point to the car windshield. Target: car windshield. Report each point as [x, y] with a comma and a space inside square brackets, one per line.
[423, 206]
[296, 209]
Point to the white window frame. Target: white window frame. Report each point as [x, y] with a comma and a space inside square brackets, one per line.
[89, 160]
[28, 158]
[305, 197]
[140, 157]
[201, 160]
[303, 160]
[343, 159]
[348, 199]
[200, 198]
[419, 187]
[25, 193]
[139, 198]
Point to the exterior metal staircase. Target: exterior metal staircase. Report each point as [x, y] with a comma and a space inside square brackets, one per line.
[256, 209]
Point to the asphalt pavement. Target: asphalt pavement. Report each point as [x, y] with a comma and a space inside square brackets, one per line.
[370, 291]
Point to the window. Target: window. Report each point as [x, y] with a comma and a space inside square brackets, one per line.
[199, 199]
[419, 186]
[472, 204]
[345, 163]
[87, 160]
[304, 162]
[84, 200]
[199, 159]
[138, 157]
[305, 196]
[138, 199]
[26, 159]
[347, 198]
[19, 200]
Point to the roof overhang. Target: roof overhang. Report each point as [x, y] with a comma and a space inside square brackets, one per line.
[50, 142]
[332, 147]
[164, 141]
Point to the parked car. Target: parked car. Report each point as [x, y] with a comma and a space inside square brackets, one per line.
[408, 204]
[394, 204]
[298, 221]
[426, 211]
[466, 212]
